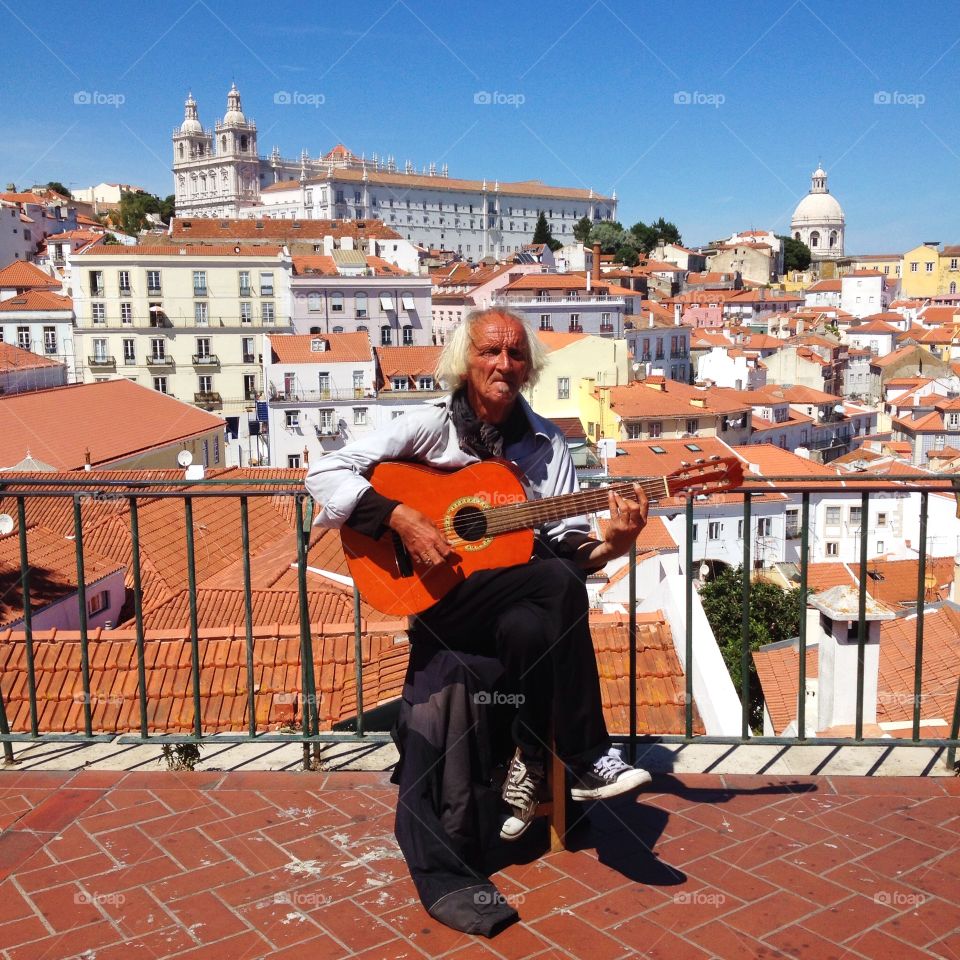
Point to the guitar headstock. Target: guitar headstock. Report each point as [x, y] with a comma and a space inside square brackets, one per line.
[704, 476]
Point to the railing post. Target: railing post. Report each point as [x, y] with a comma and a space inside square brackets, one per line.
[358, 658]
[248, 615]
[862, 614]
[745, 621]
[802, 681]
[632, 653]
[138, 614]
[310, 716]
[688, 626]
[194, 630]
[921, 604]
[27, 615]
[82, 609]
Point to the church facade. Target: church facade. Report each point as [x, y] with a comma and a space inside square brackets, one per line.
[220, 173]
[819, 220]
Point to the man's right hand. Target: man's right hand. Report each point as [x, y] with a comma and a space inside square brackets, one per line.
[422, 540]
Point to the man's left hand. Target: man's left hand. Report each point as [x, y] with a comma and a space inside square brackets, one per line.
[627, 518]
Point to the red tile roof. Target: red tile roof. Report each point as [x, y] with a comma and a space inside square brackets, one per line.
[53, 566]
[893, 582]
[38, 300]
[407, 361]
[60, 424]
[13, 358]
[192, 250]
[675, 400]
[557, 341]
[773, 461]
[289, 231]
[22, 275]
[340, 348]
[318, 264]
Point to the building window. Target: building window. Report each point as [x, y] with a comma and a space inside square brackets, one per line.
[336, 303]
[400, 383]
[98, 312]
[153, 281]
[160, 384]
[216, 449]
[126, 314]
[293, 461]
[833, 516]
[855, 515]
[98, 602]
[359, 416]
[425, 383]
[408, 336]
[313, 302]
[96, 283]
[929, 266]
[881, 519]
[249, 386]
[129, 351]
[200, 313]
[914, 266]
[266, 284]
[267, 312]
[739, 529]
[246, 311]
[833, 548]
[696, 531]
[693, 426]
[793, 523]
[654, 429]
[292, 418]
[715, 530]
[49, 339]
[361, 305]
[545, 322]
[764, 526]
[199, 283]
[246, 347]
[205, 383]
[386, 336]
[563, 388]
[123, 280]
[244, 278]
[158, 349]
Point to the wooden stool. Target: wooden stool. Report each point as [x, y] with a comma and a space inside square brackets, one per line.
[555, 809]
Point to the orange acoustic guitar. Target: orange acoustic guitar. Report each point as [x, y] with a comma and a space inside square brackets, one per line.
[484, 513]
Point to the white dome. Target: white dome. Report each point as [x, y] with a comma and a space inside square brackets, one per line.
[818, 208]
[234, 116]
[191, 125]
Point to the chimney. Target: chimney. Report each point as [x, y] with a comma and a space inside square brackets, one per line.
[596, 262]
[832, 615]
[86, 458]
[650, 320]
[676, 314]
[306, 457]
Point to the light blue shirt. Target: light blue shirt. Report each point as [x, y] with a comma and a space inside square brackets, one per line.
[427, 435]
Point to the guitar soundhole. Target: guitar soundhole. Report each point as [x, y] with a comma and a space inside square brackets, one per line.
[470, 524]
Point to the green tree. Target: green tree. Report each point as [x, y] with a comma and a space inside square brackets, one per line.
[774, 616]
[666, 231]
[609, 234]
[58, 187]
[542, 234]
[581, 230]
[644, 236]
[796, 254]
[131, 215]
[628, 252]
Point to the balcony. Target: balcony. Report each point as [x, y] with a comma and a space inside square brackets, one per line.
[154, 291]
[246, 291]
[206, 360]
[101, 360]
[207, 400]
[160, 360]
[720, 850]
[678, 354]
[200, 291]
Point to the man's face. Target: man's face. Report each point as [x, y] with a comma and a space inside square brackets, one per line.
[499, 361]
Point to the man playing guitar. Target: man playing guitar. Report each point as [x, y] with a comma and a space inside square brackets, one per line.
[532, 617]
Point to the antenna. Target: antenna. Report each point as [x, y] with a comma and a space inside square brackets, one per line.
[6, 524]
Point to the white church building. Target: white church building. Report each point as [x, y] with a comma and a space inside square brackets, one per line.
[819, 220]
[219, 173]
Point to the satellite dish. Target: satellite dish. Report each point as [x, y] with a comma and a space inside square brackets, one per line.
[184, 458]
[636, 366]
[838, 408]
[6, 524]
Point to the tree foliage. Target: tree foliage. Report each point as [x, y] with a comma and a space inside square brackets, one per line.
[542, 234]
[628, 246]
[131, 215]
[796, 254]
[774, 616]
[581, 230]
[609, 234]
[58, 187]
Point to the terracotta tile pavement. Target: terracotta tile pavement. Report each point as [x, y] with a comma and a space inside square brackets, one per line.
[247, 865]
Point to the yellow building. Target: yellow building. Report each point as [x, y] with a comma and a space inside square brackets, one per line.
[928, 271]
[889, 264]
[576, 364]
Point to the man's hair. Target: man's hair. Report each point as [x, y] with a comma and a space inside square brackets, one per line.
[455, 356]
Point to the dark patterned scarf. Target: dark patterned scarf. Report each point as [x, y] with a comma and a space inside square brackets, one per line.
[484, 440]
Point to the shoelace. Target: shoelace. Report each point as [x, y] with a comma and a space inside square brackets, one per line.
[523, 779]
[609, 766]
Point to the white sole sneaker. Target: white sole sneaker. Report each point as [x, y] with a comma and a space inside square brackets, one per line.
[513, 828]
[632, 780]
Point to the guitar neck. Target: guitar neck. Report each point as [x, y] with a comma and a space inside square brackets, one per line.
[534, 513]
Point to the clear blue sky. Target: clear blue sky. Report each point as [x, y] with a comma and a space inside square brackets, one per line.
[779, 84]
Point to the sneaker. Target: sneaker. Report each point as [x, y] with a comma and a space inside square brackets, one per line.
[608, 776]
[521, 790]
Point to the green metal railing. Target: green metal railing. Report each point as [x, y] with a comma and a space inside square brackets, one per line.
[312, 738]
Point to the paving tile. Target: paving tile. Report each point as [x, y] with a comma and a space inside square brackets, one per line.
[719, 940]
[900, 857]
[788, 876]
[165, 942]
[13, 906]
[621, 905]
[726, 876]
[797, 941]
[140, 874]
[71, 843]
[644, 938]
[16, 846]
[354, 927]
[580, 939]
[689, 908]
[58, 873]
[924, 920]
[196, 881]
[827, 854]
[317, 947]
[24, 930]
[77, 941]
[414, 924]
[880, 946]
[280, 920]
[765, 916]
[560, 896]
[948, 948]
[518, 942]
[840, 921]
[206, 917]
[244, 946]
[66, 907]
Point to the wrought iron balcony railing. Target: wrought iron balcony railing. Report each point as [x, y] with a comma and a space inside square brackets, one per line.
[21, 495]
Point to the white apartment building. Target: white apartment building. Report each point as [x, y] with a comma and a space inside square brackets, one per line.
[219, 173]
[349, 292]
[41, 321]
[865, 292]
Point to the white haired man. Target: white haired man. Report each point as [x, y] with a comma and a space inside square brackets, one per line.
[534, 617]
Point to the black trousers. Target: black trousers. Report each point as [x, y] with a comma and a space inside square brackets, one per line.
[533, 618]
